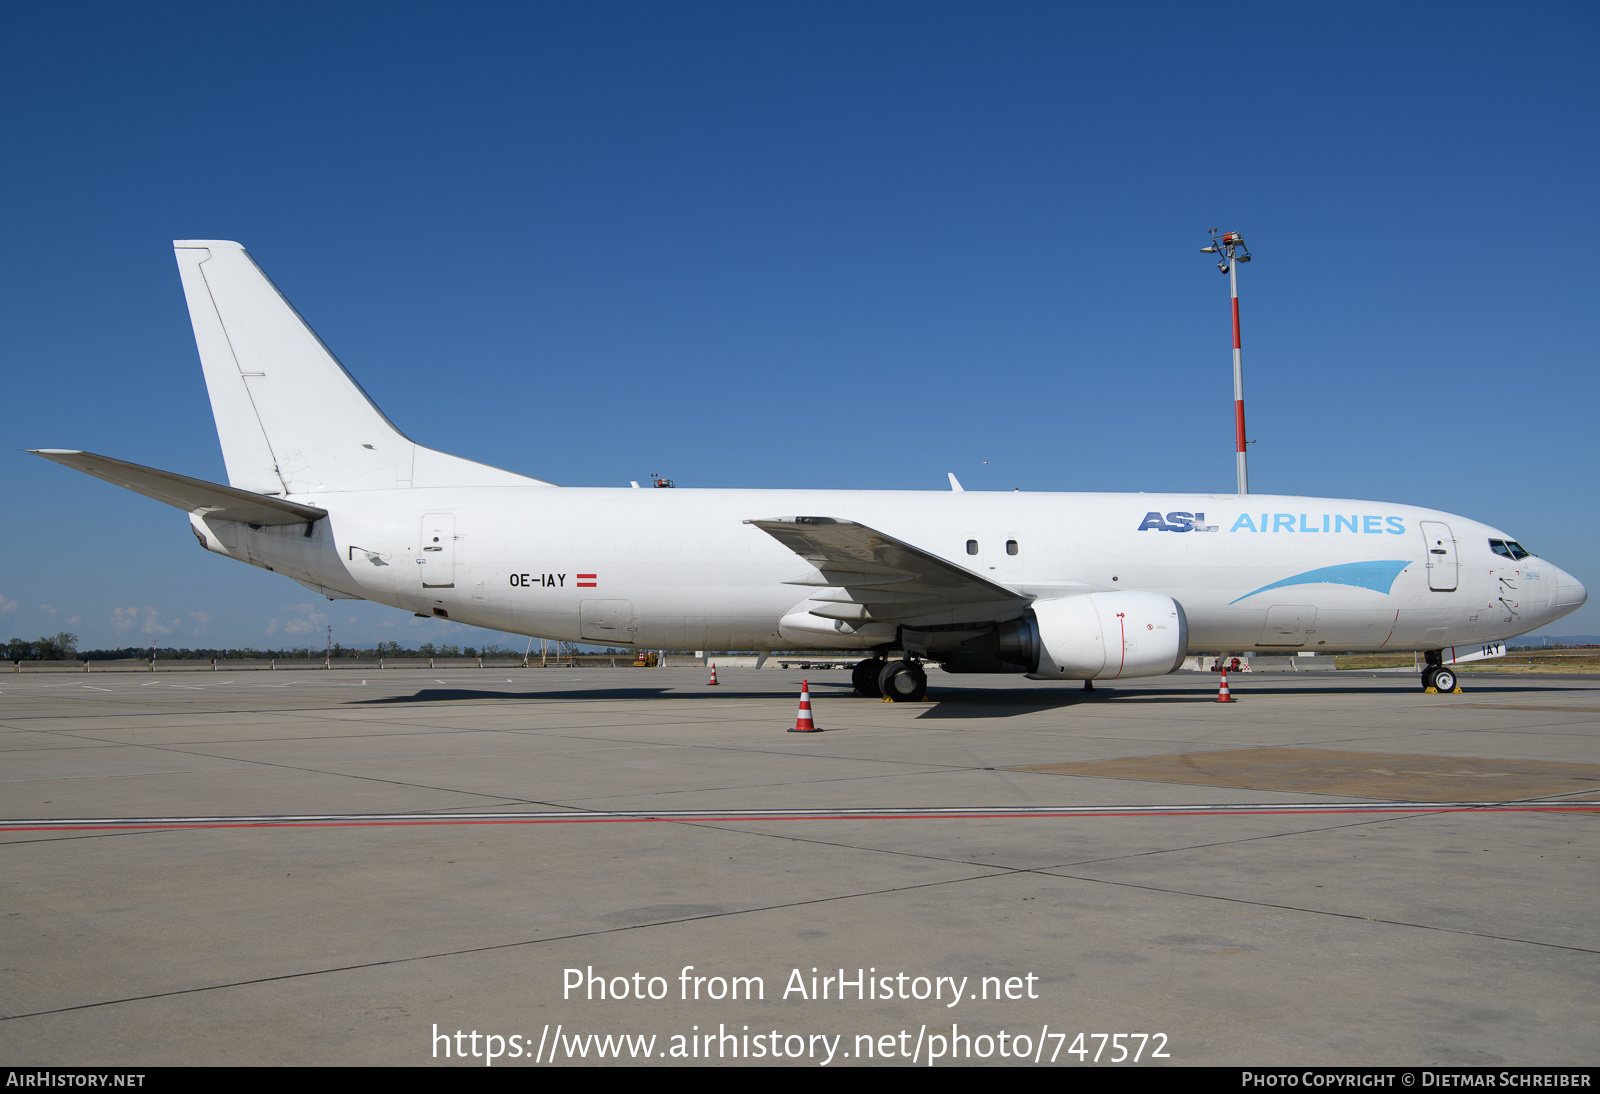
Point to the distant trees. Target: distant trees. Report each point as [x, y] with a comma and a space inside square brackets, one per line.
[63, 647]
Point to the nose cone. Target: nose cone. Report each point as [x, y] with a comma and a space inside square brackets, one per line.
[1570, 594]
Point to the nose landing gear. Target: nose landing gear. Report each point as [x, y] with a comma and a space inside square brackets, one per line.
[1439, 678]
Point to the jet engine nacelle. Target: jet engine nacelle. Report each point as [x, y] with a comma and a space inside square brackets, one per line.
[1108, 636]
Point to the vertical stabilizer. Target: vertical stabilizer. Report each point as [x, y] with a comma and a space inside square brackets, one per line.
[290, 418]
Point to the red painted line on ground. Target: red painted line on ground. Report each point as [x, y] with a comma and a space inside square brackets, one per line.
[736, 817]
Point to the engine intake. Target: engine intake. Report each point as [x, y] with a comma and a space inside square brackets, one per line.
[1109, 636]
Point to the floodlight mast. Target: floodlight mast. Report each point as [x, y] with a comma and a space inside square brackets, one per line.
[1231, 246]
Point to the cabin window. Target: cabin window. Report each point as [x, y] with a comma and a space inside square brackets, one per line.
[972, 546]
[1011, 546]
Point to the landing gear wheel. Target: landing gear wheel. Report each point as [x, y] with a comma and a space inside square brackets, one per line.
[1444, 680]
[1427, 676]
[903, 682]
[865, 677]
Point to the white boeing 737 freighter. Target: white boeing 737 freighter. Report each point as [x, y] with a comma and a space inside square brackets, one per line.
[324, 489]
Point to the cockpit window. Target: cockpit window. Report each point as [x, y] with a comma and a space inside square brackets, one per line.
[1508, 548]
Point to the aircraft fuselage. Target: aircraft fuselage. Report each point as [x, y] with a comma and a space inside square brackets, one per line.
[681, 569]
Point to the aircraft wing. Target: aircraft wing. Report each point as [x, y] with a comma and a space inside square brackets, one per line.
[182, 492]
[874, 576]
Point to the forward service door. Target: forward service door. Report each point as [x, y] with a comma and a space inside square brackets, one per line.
[1441, 556]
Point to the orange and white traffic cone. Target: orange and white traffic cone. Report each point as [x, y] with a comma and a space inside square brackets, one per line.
[713, 681]
[802, 720]
[1222, 689]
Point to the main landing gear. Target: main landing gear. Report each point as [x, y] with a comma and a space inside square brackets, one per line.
[899, 681]
[903, 682]
[865, 677]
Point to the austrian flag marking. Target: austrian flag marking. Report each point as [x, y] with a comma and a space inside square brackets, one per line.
[587, 581]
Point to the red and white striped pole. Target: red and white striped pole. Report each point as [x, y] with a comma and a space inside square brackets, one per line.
[1231, 246]
[1238, 373]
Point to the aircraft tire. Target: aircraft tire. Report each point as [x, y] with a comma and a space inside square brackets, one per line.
[865, 677]
[903, 682]
[1444, 679]
[1427, 676]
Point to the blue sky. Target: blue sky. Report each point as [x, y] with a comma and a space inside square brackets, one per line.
[834, 245]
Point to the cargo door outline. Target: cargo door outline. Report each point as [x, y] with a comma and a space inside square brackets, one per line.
[436, 564]
[607, 621]
[1288, 625]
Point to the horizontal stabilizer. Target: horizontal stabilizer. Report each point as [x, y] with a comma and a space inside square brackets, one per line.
[182, 492]
[323, 590]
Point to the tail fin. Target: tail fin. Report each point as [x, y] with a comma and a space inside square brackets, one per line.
[290, 418]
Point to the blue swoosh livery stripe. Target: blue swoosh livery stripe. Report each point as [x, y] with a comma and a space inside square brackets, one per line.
[1377, 576]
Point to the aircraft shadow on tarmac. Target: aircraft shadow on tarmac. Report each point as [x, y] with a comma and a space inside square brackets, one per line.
[956, 702]
[456, 695]
[947, 703]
